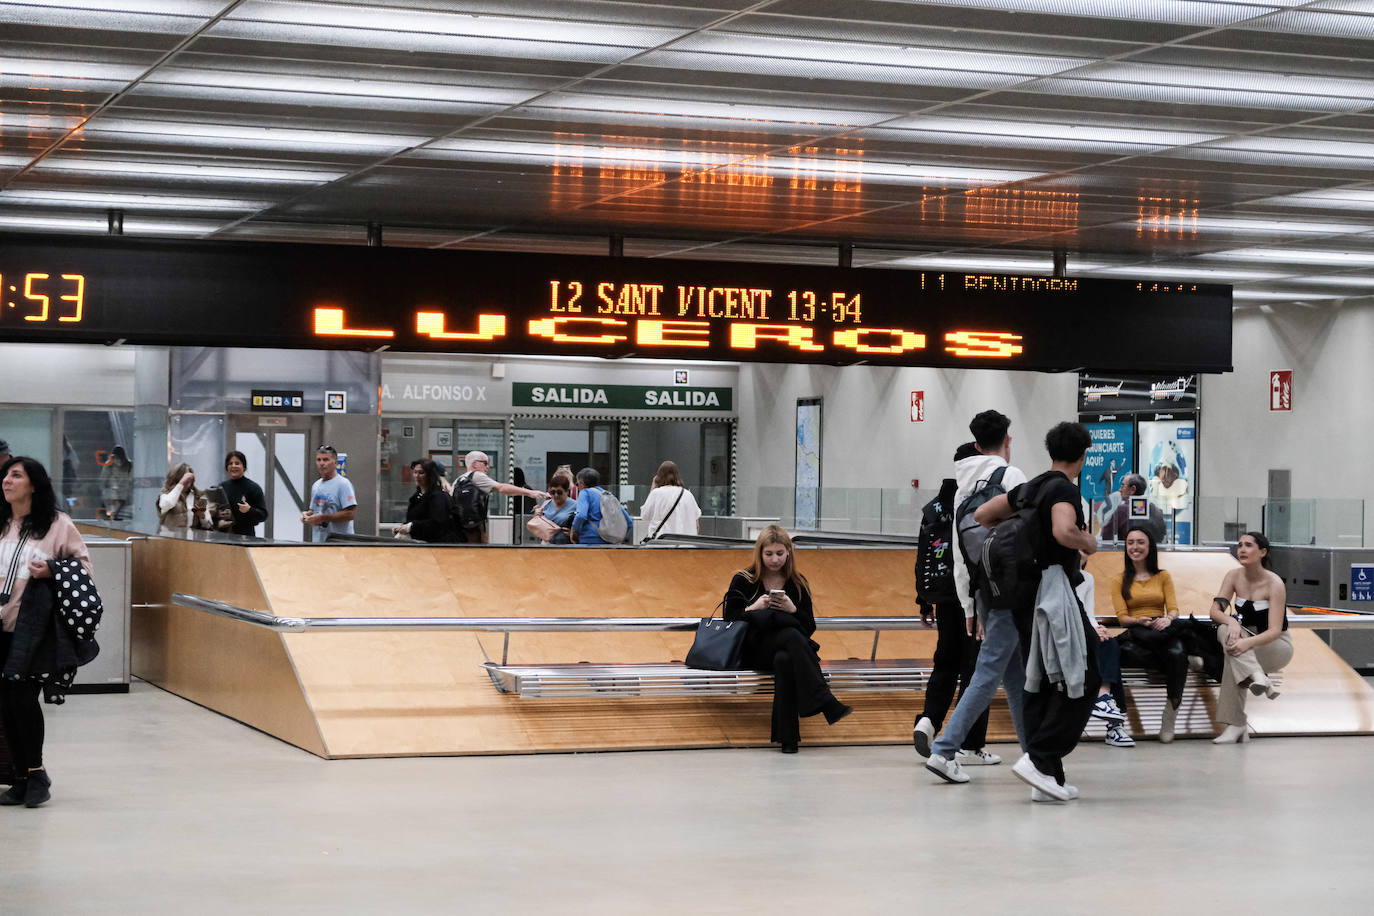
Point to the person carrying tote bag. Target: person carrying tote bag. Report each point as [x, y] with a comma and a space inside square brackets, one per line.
[775, 599]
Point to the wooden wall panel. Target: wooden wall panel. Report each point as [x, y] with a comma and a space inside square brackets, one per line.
[236, 669]
[393, 693]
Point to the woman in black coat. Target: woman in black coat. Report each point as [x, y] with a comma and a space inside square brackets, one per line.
[429, 514]
[775, 600]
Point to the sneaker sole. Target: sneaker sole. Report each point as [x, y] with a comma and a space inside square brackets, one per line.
[977, 762]
[945, 776]
[921, 741]
[1108, 717]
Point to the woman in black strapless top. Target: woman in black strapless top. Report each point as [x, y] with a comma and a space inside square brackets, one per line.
[1255, 637]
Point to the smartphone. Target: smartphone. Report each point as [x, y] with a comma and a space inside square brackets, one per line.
[776, 592]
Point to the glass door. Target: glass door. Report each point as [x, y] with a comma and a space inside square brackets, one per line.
[281, 460]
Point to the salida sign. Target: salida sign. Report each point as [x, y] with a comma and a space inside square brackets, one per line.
[621, 397]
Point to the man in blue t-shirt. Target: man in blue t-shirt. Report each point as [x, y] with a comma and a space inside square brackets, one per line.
[587, 519]
[332, 501]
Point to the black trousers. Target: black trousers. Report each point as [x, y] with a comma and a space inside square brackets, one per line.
[1158, 650]
[799, 688]
[1054, 720]
[956, 655]
[21, 713]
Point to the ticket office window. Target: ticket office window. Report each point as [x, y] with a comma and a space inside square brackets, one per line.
[701, 450]
[544, 445]
[446, 440]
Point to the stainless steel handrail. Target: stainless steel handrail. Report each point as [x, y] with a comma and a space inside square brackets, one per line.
[504, 624]
[603, 624]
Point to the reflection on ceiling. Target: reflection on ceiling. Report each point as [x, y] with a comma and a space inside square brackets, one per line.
[1205, 140]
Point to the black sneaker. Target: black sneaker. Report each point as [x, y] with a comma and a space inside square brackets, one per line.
[15, 794]
[37, 792]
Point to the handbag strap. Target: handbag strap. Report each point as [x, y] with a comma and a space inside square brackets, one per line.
[680, 491]
[12, 574]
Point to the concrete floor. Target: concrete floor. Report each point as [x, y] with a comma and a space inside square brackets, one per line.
[160, 806]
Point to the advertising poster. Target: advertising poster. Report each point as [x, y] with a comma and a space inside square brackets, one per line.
[1166, 458]
[807, 498]
[1110, 458]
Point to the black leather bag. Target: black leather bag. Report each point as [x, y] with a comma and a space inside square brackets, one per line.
[718, 644]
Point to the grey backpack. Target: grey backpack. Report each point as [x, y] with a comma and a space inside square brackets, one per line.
[615, 526]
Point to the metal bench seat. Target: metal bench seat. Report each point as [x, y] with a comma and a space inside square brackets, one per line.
[677, 680]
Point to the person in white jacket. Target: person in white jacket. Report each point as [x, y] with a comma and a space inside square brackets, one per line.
[999, 659]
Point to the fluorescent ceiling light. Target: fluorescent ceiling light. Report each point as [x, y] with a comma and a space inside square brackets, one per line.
[692, 109]
[815, 54]
[160, 18]
[1003, 130]
[1296, 256]
[131, 200]
[24, 71]
[1176, 13]
[1357, 282]
[1184, 272]
[420, 42]
[1262, 226]
[1039, 267]
[911, 73]
[1336, 199]
[67, 163]
[219, 136]
[233, 83]
[385, 18]
[1280, 295]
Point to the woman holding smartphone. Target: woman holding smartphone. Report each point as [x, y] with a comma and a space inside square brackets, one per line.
[1256, 639]
[775, 599]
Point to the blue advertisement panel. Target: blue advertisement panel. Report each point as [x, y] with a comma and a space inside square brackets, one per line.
[1166, 453]
[1110, 458]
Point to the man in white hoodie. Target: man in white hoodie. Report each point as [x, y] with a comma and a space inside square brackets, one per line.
[999, 660]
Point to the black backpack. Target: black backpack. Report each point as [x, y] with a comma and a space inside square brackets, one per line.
[969, 533]
[469, 503]
[1013, 552]
[935, 550]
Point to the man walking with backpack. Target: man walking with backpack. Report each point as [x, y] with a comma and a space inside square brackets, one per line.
[1041, 533]
[600, 518]
[982, 471]
[956, 651]
[472, 490]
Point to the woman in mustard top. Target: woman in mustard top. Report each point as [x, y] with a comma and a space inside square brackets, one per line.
[1143, 596]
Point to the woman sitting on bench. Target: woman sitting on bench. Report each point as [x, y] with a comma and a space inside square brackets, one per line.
[1143, 597]
[1256, 639]
[775, 599]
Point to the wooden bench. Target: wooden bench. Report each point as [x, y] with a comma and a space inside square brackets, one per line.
[674, 679]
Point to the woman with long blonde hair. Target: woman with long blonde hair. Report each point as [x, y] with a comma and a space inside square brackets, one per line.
[774, 598]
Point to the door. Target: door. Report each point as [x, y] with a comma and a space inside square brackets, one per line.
[281, 460]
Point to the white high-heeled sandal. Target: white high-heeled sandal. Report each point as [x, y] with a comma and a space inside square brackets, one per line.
[1233, 734]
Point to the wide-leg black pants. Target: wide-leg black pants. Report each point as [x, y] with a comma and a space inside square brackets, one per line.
[956, 655]
[1054, 720]
[799, 687]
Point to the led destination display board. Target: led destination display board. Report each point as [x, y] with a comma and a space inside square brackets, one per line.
[313, 297]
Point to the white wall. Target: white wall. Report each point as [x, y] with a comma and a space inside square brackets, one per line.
[868, 439]
[71, 374]
[1327, 440]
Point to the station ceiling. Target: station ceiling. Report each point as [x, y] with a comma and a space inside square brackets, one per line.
[1206, 141]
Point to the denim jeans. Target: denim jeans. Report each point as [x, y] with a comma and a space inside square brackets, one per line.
[999, 662]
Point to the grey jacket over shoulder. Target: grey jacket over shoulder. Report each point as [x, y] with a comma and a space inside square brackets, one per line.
[1058, 648]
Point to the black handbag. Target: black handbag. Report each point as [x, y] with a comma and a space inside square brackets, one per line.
[718, 644]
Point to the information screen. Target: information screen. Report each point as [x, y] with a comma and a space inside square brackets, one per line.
[307, 296]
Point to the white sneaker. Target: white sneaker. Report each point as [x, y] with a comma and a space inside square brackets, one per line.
[1117, 737]
[1027, 773]
[922, 734]
[981, 757]
[1038, 796]
[948, 770]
